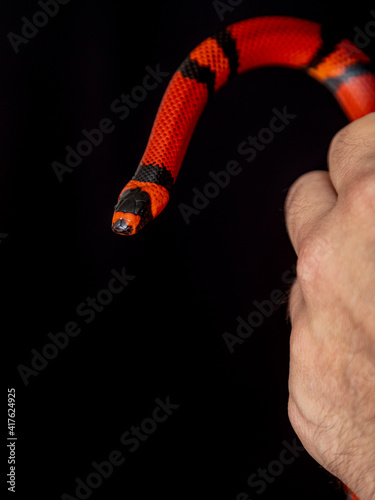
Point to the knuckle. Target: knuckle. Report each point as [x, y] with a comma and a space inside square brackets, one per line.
[338, 145]
[295, 202]
[290, 197]
[353, 141]
[313, 263]
[297, 189]
[360, 194]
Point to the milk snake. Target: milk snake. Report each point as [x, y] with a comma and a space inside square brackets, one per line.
[240, 47]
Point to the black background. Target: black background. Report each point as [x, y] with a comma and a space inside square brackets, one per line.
[162, 336]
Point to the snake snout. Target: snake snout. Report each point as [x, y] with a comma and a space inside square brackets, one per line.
[120, 226]
[125, 223]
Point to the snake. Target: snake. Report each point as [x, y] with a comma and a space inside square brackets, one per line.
[342, 67]
[253, 43]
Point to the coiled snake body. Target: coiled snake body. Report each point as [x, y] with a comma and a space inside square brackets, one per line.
[246, 45]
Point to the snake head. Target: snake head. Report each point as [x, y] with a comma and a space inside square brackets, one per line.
[132, 211]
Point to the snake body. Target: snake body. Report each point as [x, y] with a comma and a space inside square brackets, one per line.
[240, 47]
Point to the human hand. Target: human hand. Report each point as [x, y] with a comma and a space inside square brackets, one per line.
[330, 218]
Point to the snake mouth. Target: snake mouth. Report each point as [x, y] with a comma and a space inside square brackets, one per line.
[120, 226]
[125, 223]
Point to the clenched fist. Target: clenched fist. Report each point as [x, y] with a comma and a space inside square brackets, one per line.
[330, 218]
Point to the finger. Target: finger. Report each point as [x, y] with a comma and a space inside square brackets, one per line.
[310, 198]
[351, 154]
